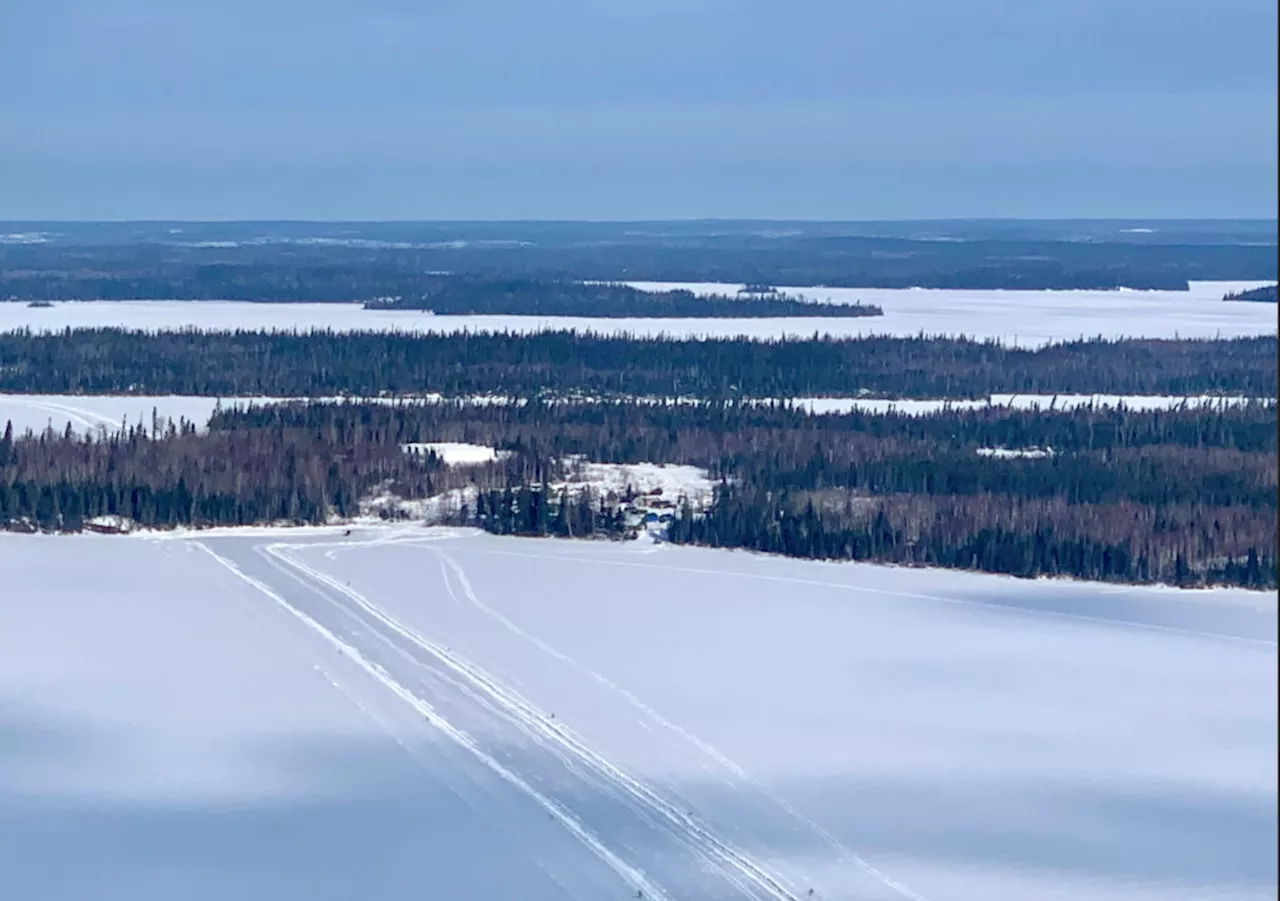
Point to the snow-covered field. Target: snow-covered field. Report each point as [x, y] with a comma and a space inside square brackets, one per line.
[454, 453]
[92, 413]
[417, 713]
[1033, 318]
[1028, 318]
[674, 481]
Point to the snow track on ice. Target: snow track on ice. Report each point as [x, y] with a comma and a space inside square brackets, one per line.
[751, 877]
[629, 874]
[709, 750]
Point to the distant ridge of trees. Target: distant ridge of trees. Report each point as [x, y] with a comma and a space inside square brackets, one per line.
[355, 262]
[1263, 294]
[325, 363]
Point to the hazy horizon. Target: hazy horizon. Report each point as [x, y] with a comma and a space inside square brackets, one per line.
[688, 220]
[602, 110]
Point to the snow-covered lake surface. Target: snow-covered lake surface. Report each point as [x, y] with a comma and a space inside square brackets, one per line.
[1028, 318]
[92, 413]
[439, 714]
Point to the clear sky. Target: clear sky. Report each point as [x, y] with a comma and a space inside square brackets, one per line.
[619, 109]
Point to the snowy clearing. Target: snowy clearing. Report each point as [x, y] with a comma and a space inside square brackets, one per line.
[411, 713]
[1028, 318]
[453, 453]
[665, 486]
[1016, 453]
[670, 480]
[92, 413]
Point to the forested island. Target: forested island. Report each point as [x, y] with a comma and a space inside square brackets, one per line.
[1263, 294]
[469, 295]
[1183, 496]
[561, 363]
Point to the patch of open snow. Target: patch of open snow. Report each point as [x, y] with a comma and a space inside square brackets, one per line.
[385, 505]
[94, 413]
[455, 453]
[673, 481]
[1026, 453]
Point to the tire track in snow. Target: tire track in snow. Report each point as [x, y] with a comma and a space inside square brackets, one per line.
[81, 413]
[736, 866]
[571, 763]
[294, 576]
[48, 407]
[845, 853]
[629, 874]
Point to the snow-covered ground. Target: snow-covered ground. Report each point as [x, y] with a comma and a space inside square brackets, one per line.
[267, 714]
[92, 413]
[1016, 453]
[674, 481]
[1031, 318]
[1028, 318]
[454, 453]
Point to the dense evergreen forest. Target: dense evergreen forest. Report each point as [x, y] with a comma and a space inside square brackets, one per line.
[1264, 294]
[1185, 496]
[322, 364]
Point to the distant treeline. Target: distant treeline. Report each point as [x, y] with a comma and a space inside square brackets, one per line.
[334, 264]
[465, 295]
[1185, 496]
[319, 364]
[1264, 294]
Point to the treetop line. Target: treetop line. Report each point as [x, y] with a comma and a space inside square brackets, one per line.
[325, 363]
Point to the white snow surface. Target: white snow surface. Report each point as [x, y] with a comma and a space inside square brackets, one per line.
[1016, 453]
[453, 453]
[92, 413]
[1028, 318]
[674, 480]
[432, 713]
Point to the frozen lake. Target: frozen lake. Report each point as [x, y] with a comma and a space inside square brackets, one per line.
[1028, 317]
[409, 713]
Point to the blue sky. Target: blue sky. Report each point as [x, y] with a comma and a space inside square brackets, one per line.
[605, 109]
